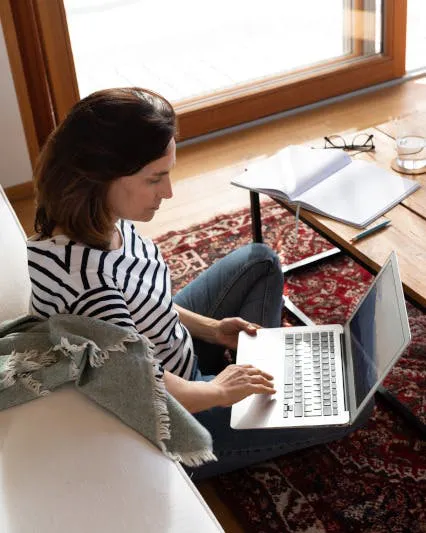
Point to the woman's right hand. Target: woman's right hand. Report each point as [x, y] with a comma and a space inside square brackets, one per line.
[236, 382]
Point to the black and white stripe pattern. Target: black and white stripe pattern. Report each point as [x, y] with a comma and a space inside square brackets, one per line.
[129, 287]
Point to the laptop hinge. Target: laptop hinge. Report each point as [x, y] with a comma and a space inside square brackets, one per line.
[344, 370]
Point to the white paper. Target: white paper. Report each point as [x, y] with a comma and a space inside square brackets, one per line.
[358, 193]
[292, 170]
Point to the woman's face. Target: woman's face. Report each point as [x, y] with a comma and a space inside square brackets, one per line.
[138, 197]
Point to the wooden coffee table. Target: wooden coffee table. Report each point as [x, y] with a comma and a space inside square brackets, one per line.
[406, 235]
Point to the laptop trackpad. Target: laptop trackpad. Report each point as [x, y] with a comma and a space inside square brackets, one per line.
[256, 411]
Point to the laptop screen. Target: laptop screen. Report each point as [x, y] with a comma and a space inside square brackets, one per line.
[377, 331]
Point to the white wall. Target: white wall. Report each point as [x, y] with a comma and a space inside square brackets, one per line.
[15, 165]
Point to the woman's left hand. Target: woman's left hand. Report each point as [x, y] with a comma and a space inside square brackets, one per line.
[227, 331]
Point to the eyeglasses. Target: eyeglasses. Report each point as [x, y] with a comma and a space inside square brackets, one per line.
[363, 142]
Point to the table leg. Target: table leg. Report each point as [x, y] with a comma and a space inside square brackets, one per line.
[256, 221]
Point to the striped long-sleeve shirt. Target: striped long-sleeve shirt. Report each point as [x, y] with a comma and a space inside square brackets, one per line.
[129, 287]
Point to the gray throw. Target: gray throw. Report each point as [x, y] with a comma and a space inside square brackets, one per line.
[111, 365]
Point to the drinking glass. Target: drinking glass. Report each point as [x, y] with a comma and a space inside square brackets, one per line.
[410, 146]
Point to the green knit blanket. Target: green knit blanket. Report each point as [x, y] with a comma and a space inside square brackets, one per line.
[111, 365]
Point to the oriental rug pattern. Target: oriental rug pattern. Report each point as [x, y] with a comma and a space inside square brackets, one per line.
[375, 479]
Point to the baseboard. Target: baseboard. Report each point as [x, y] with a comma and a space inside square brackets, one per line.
[20, 192]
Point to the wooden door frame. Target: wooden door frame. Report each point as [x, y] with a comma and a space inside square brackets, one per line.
[37, 33]
[32, 123]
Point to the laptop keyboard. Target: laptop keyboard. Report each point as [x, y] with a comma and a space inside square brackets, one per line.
[310, 375]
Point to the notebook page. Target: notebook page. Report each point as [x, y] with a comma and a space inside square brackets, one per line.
[292, 170]
[305, 167]
[358, 193]
[264, 175]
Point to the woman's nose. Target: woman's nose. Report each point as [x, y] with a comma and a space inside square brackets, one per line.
[166, 190]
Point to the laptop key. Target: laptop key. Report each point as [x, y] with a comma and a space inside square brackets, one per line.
[288, 371]
[327, 410]
[298, 409]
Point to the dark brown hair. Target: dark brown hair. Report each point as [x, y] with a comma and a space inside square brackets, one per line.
[108, 134]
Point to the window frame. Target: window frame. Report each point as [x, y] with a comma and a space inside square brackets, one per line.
[37, 34]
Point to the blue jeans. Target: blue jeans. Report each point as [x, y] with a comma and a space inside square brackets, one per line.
[248, 283]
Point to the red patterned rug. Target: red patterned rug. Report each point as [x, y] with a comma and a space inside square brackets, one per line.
[372, 481]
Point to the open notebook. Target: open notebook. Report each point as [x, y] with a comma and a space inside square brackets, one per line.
[328, 182]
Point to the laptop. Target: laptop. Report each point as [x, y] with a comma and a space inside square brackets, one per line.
[325, 375]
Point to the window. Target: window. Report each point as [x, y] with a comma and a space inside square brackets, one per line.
[268, 56]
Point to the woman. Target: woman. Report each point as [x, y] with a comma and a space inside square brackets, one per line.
[109, 163]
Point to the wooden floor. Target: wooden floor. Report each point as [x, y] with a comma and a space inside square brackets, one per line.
[203, 171]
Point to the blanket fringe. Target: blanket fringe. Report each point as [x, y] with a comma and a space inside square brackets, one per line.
[131, 337]
[33, 385]
[33, 360]
[74, 370]
[97, 357]
[23, 362]
[7, 379]
[160, 405]
[192, 458]
[160, 396]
